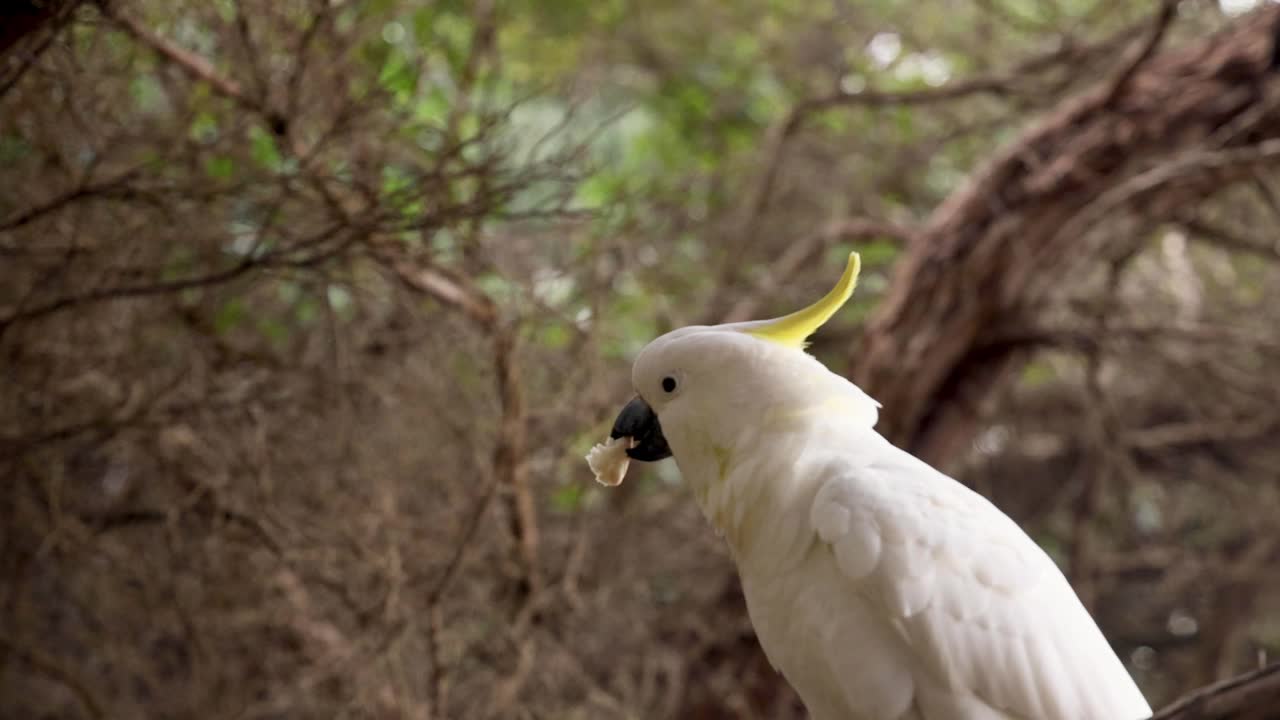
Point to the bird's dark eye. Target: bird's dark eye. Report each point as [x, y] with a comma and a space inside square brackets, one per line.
[669, 384]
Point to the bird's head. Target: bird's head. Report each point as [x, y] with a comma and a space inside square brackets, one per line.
[710, 388]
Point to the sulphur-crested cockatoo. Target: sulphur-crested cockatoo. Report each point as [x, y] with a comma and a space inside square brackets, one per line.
[878, 586]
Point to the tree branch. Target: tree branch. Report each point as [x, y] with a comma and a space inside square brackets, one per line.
[1194, 162]
[1228, 239]
[1252, 696]
[448, 288]
[780, 133]
[194, 65]
[510, 463]
[998, 84]
[1006, 236]
[1159, 26]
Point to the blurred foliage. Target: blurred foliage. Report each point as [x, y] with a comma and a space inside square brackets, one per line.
[246, 418]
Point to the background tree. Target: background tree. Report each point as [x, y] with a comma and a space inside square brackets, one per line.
[310, 309]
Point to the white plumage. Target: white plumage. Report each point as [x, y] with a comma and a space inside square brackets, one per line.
[881, 588]
[983, 624]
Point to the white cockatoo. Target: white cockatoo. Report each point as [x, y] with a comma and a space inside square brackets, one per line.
[878, 586]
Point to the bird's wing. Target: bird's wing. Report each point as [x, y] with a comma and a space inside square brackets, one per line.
[984, 610]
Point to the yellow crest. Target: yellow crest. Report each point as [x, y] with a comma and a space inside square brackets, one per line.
[792, 330]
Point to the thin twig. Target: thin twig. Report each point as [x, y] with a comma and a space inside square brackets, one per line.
[436, 686]
[1160, 175]
[195, 65]
[448, 288]
[1252, 695]
[780, 133]
[116, 186]
[1085, 339]
[1229, 239]
[998, 84]
[510, 460]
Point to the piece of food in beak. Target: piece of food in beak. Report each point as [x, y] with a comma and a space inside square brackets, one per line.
[609, 460]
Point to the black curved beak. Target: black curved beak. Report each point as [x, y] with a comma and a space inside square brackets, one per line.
[638, 421]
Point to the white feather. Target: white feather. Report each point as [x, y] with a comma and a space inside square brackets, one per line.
[989, 625]
[881, 588]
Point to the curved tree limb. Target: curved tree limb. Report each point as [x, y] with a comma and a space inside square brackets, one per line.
[996, 244]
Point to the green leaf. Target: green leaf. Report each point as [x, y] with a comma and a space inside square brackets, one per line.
[263, 149]
[229, 315]
[148, 94]
[396, 180]
[568, 499]
[596, 191]
[1037, 373]
[554, 337]
[306, 310]
[13, 148]
[204, 128]
[399, 75]
[288, 291]
[432, 107]
[273, 330]
[496, 286]
[226, 9]
[220, 167]
[876, 252]
[453, 33]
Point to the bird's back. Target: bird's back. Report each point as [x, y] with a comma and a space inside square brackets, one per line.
[918, 598]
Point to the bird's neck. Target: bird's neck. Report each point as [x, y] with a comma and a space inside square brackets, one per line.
[756, 495]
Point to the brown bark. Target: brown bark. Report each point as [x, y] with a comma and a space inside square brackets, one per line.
[1021, 221]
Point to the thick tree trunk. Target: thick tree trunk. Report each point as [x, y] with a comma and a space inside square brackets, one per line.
[930, 353]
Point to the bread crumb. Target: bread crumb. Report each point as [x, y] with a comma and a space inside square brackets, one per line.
[609, 460]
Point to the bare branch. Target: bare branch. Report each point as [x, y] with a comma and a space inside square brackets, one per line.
[114, 187]
[998, 84]
[251, 261]
[780, 133]
[1187, 433]
[449, 288]
[1159, 26]
[465, 541]
[1229, 239]
[1006, 234]
[1189, 163]
[124, 293]
[191, 63]
[509, 457]
[1084, 338]
[1252, 696]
